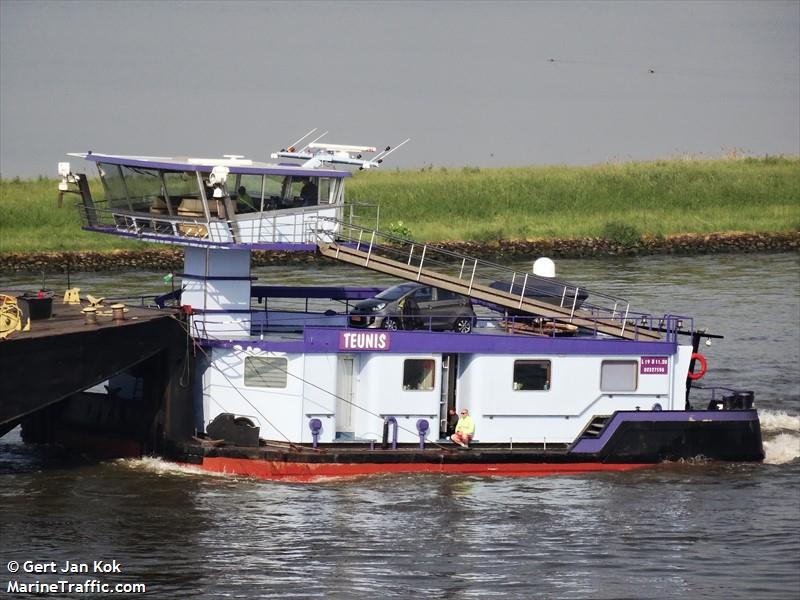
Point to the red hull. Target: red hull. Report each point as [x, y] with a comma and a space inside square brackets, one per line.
[297, 471]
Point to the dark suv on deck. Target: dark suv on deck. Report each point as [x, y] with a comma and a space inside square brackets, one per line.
[414, 306]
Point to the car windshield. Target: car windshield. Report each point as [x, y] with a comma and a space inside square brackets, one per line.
[397, 291]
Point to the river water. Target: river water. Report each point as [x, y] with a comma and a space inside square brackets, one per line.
[685, 530]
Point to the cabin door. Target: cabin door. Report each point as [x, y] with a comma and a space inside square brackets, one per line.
[345, 396]
[448, 399]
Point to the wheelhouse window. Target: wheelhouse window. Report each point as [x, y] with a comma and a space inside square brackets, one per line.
[303, 191]
[418, 374]
[265, 371]
[246, 190]
[144, 186]
[619, 375]
[531, 375]
[114, 185]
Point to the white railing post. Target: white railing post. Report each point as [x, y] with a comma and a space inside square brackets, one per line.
[625, 319]
[574, 302]
[472, 278]
[522, 293]
[369, 251]
[421, 260]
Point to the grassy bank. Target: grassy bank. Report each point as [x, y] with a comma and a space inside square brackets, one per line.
[616, 201]
[623, 201]
[31, 221]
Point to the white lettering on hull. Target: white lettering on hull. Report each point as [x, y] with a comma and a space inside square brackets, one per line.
[366, 340]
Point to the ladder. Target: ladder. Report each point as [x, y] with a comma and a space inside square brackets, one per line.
[465, 275]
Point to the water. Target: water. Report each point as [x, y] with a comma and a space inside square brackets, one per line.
[683, 530]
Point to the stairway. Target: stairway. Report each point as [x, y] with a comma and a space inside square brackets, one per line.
[432, 266]
[594, 428]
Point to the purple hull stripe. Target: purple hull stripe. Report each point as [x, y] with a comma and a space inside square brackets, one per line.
[326, 340]
[595, 445]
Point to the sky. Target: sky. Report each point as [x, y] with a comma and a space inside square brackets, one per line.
[480, 84]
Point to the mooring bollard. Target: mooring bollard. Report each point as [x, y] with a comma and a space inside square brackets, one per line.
[89, 315]
[118, 312]
[316, 426]
[422, 429]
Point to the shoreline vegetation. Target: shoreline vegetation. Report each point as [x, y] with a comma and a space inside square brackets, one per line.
[661, 207]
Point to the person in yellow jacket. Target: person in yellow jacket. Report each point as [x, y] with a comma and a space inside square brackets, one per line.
[464, 429]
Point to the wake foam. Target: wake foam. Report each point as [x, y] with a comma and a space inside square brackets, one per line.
[778, 421]
[782, 436]
[161, 467]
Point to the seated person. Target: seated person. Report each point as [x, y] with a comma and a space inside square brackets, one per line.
[245, 199]
[452, 421]
[464, 430]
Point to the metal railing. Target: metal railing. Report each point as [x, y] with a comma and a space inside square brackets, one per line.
[289, 226]
[470, 271]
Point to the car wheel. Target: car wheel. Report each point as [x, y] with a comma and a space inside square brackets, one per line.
[463, 325]
[391, 324]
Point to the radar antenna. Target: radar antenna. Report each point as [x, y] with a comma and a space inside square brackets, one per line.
[316, 153]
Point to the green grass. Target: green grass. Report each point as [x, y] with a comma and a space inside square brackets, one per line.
[618, 201]
[655, 199]
[30, 220]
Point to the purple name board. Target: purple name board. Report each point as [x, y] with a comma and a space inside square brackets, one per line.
[654, 365]
[366, 340]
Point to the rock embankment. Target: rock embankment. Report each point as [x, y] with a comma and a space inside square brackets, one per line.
[169, 259]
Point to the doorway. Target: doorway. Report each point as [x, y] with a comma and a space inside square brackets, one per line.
[345, 397]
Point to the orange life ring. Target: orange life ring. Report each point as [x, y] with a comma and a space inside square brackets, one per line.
[703, 366]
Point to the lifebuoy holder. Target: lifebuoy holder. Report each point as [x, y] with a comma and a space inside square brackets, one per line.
[703, 366]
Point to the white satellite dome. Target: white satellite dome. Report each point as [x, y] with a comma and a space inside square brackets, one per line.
[544, 267]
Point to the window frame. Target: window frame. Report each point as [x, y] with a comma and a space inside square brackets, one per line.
[634, 363]
[532, 361]
[284, 370]
[432, 372]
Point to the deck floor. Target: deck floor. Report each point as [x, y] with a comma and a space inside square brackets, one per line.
[68, 318]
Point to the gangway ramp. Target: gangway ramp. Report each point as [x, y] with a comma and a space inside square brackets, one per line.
[461, 274]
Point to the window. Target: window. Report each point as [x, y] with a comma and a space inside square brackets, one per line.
[423, 294]
[619, 375]
[442, 295]
[269, 372]
[247, 192]
[181, 184]
[418, 374]
[143, 185]
[531, 375]
[116, 194]
[325, 190]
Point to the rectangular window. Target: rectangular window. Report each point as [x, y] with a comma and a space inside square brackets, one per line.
[619, 375]
[247, 193]
[116, 195]
[262, 371]
[531, 375]
[418, 374]
[143, 185]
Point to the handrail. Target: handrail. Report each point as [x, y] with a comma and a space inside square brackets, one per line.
[603, 307]
[291, 225]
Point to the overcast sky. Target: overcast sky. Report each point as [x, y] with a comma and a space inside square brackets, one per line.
[472, 83]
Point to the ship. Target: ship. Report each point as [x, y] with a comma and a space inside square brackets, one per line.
[556, 378]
